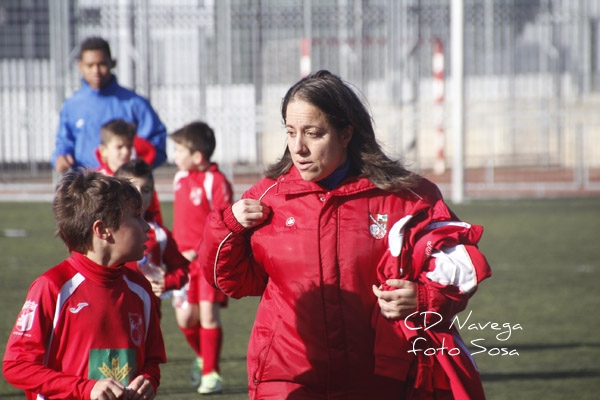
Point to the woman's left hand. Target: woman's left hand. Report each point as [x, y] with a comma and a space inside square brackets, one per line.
[398, 303]
[250, 213]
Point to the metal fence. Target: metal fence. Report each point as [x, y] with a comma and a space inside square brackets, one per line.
[532, 75]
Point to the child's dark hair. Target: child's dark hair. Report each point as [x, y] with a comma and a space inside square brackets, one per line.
[196, 136]
[136, 168]
[118, 128]
[95, 43]
[85, 196]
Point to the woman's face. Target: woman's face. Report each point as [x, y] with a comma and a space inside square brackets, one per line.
[317, 149]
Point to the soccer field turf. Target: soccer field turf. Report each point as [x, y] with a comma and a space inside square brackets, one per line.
[543, 296]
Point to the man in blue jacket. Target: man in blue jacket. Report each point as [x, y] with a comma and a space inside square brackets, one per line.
[99, 100]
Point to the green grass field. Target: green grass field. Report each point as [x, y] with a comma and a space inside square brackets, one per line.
[543, 296]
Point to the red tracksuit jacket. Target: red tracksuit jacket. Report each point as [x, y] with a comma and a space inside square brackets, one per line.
[196, 194]
[314, 262]
[162, 252]
[83, 322]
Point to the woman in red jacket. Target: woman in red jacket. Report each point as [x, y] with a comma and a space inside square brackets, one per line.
[348, 249]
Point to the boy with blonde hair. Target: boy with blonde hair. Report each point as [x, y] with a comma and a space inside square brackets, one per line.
[119, 144]
[116, 145]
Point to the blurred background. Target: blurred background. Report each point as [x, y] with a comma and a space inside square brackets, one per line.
[529, 89]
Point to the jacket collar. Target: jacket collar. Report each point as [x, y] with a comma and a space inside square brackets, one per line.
[292, 183]
[102, 275]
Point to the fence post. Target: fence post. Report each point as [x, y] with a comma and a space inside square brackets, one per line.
[305, 61]
[439, 167]
[457, 34]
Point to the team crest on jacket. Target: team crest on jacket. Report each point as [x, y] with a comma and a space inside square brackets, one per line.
[136, 324]
[196, 196]
[378, 225]
[26, 317]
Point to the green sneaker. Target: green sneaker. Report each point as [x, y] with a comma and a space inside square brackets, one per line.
[196, 371]
[211, 383]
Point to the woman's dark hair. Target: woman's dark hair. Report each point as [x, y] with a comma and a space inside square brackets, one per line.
[342, 107]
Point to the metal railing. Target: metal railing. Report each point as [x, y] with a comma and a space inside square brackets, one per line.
[532, 76]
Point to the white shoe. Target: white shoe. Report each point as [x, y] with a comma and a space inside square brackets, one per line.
[196, 371]
[211, 383]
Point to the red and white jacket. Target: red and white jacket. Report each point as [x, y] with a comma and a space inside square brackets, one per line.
[314, 262]
[82, 322]
[162, 254]
[141, 149]
[196, 194]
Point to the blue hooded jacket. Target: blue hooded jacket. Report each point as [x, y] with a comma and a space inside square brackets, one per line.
[88, 109]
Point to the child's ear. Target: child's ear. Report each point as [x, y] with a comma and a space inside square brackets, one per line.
[102, 151]
[100, 230]
[198, 158]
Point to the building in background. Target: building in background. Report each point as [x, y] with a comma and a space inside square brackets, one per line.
[532, 74]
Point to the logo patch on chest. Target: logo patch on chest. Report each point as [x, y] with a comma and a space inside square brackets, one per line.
[119, 364]
[378, 225]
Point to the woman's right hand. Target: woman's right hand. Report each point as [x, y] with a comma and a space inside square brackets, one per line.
[250, 213]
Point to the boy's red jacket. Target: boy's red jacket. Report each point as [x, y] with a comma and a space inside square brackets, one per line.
[162, 251]
[83, 322]
[196, 194]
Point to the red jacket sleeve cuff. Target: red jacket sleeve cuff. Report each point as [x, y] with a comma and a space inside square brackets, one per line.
[422, 298]
[232, 224]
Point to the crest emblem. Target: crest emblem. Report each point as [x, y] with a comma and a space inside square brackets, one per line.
[26, 317]
[378, 225]
[196, 196]
[136, 324]
[115, 370]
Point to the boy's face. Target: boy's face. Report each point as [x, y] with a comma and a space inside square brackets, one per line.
[95, 67]
[144, 186]
[128, 241]
[185, 159]
[116, 152]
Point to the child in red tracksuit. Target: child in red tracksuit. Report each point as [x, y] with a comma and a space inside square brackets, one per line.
[119, 144]
[89, 327]
[163, 265]
[199, 187]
